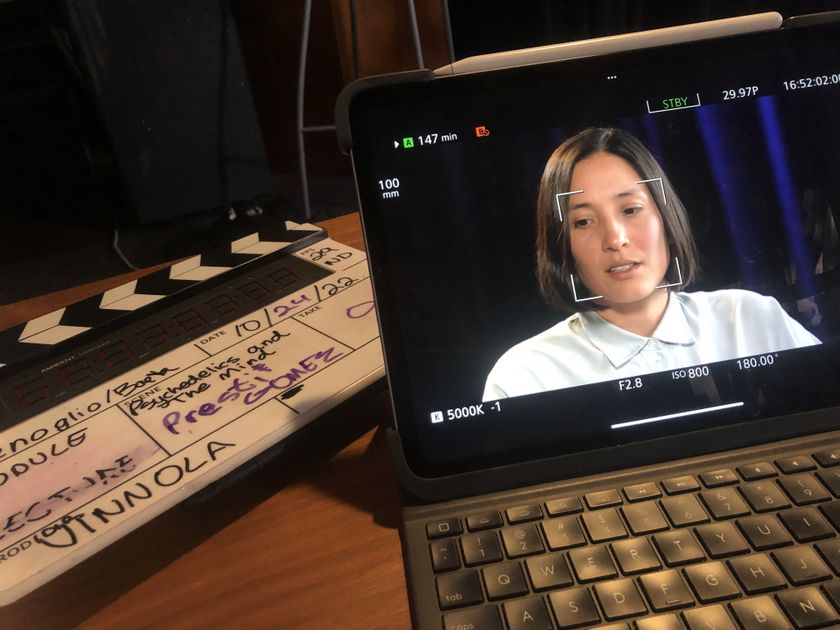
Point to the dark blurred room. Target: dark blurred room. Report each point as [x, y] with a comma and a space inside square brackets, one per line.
[135, 132]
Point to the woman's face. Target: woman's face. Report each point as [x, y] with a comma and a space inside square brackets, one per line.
[616, 232]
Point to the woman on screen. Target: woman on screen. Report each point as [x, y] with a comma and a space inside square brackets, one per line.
[614, 246]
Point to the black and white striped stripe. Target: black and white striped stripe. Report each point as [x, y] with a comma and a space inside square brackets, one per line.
[26, 340]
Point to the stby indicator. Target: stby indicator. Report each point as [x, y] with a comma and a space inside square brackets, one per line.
[673, 103]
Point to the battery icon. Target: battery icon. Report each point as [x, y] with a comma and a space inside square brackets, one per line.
[437, 417]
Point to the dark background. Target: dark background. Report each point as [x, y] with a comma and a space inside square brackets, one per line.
[73, 167]
[483, 27]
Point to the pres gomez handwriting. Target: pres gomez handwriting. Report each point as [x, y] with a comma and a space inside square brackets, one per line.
[252, 392]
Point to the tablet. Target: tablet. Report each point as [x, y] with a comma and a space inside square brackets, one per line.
[503, 363]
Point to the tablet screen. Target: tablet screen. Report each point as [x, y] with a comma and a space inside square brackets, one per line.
[602, 251]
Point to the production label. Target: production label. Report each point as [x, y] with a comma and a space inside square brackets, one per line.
[77, 477]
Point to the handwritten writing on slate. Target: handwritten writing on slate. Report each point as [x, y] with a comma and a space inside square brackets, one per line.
[30, 490]
[123, 452]
[208, 398]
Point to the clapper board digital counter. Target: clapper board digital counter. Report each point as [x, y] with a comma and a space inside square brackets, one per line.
[118, 407]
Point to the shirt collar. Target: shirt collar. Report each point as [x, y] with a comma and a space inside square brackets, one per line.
[619, 345]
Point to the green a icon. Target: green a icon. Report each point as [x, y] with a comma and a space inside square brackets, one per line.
[408, 143]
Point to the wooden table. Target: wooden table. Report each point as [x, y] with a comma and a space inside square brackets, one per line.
[309, 541]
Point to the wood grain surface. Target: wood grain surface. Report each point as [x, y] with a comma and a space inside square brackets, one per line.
[308, 541]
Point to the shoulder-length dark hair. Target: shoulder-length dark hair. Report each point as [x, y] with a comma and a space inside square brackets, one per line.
[555, 264]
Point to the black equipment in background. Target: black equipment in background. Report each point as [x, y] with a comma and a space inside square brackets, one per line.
[169, 82]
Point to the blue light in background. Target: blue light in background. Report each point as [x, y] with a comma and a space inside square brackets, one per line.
[652, 137]
[729, 183]
[787, 195]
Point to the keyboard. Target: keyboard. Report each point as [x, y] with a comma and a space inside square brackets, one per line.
[750, 545]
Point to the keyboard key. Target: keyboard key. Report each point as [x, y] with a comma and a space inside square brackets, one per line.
[798, 463]
[684, 509]
[764, 532]
[523, 514]
[527, 614]
[716, 478]
[635, 556]
[480, 548]
[444, 555]
[764, 496]
[804, 489]
[759, 613]
[644, 518]
[832, 589]
[458, 589]
[808, 608]
[549, 571]
[709, 618]
[522, 540]
[592, 563]
[444, 528]
[562, 507]
[806, 524]
[830, 551]
[504, 580]
[605, 498]
[722, 540]
[484, 618]
[660, 622]
[831, 479]
[678, 485]
[678, 548]
[665, 590]
[828, 458]
[615, 626]
[574, 607]
[724, 503]
[711, 582]
[832, 513]
[620, 599]
[758, 470]
[757, 573]
[604, 525]
[801, 565]
[484, 520]
[563, 533]
[642, 491]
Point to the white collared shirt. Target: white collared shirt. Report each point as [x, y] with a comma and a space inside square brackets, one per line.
[697, 328]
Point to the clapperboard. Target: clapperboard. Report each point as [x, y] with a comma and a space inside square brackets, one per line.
[118, 407]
